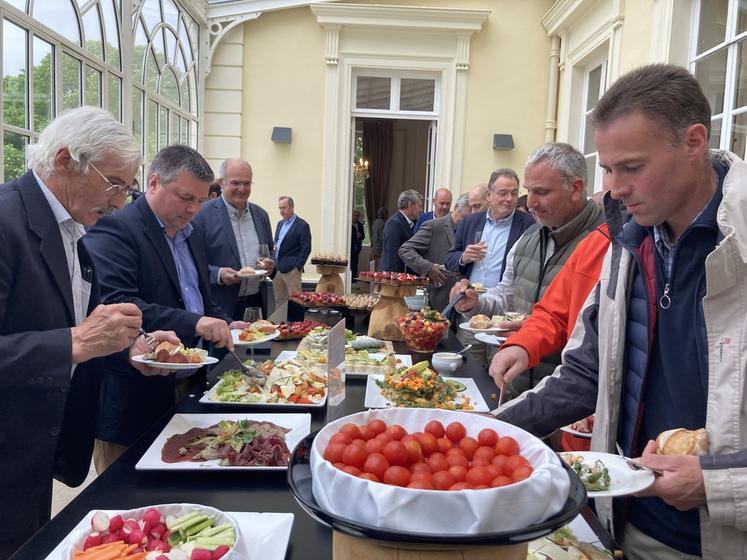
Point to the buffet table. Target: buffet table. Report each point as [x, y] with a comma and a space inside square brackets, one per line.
[122, 487]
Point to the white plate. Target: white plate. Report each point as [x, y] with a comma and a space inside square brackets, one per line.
[299, 425]
[237, 342]
[173, 367]
[467, 328]
[209, 398]
[374, 398]
[569, 430]
[265, 535]
[623, 479]
[259, 272]
[492, 339]
[405, 360]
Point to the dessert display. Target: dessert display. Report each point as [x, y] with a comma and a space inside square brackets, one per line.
[329, 259]
[396, 278]
[318, 299]
[422, 329]
[361, 301]
[420, 387]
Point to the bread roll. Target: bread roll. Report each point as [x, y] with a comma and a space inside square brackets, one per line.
[682, 442]
[480, 322]
[263, 326]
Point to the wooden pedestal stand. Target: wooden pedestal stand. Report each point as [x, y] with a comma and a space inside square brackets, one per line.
[330, 280]
[345, 547]
[391, 306]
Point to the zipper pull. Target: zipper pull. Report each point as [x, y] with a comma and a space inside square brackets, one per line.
[664, 300]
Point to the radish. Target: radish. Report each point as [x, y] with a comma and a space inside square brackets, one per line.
[152, 517]
[111, 537]
[135, 536]
[100, 521]
[116, 523]
[158, 531]
[220, 551]
[94, 539]
[201, 554]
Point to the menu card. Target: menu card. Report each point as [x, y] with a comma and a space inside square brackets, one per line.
[336, 371]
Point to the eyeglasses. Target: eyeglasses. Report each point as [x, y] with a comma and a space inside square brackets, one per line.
[120, 190]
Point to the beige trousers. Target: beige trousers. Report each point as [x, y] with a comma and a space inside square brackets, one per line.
[284, 284]
[637, 545]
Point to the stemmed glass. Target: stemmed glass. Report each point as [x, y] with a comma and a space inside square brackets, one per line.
[252, 314]
[264, 255]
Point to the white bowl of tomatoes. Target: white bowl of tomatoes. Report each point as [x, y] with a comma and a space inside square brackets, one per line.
[406, 468]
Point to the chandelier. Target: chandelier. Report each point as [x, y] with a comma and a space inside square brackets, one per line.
[360, 170]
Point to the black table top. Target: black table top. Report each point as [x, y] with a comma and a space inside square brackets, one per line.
[122, 487]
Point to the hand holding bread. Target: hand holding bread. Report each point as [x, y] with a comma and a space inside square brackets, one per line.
[682, 442]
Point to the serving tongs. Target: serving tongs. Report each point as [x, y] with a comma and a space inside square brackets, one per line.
[459, 297]
[632, 464]
[252, 374]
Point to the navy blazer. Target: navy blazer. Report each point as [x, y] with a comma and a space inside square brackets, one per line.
[396, 231]
[48, 418]
[465, 235]
[296, 246]
[223, 251]
[135, 265]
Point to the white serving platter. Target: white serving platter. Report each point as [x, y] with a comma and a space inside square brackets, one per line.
[374, 398]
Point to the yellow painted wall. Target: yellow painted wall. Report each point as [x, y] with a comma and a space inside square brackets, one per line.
[636, 42]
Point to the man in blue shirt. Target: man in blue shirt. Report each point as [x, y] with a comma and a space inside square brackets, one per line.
[292, 248]
[441, 207]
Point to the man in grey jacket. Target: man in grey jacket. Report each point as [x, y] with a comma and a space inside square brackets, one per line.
[659, 343]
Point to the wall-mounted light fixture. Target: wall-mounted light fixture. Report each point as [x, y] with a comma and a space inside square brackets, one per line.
[281, 134]
[503, 142]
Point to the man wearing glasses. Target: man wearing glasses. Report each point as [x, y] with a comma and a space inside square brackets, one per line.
[52, 330]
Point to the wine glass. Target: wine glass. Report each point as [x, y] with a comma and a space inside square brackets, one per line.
[517, 303]
[252, 314]
[264, 255]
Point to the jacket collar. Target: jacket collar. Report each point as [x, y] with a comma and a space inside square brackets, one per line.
[731, 215]
[588, 216]
[154, 233]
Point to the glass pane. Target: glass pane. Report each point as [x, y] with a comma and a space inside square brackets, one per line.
[151, 13]
[739, 134]
[711, 73]
[174, 129]
[14, 161]
[43, 83]
[741, 81]
[170, 45]
[151, 72]
[170, 13]
[184, 133]
[742, 17]
[92, 95]
[593, 87]
[185, 92]
[373, 93]
[416, 95]
[591, 169]
[92, 30]
[70, 82]
[589, 145]
[15, 79]
[114, 95]
[163, 128]
[711, 23]
[138, 54]
[60, 16]
[151, 117]
[137, 116]
[21, 5]
[715, 139]
[194, 32]
[111, 27]
[185, 44]
[192, 94]
[169, 86]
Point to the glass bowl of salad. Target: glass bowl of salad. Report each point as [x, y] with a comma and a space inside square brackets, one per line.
[422, 329]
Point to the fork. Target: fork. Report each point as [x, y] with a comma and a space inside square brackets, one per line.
[253, 374]
[632, 464]
[150, 340]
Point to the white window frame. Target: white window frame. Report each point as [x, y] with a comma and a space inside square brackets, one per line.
[396, 77]
[594, 181]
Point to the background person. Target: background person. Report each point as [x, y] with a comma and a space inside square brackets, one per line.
[357, 234]
[377, 228]
[292, 248]
[478, 198]
[398, 229]
[441, 207]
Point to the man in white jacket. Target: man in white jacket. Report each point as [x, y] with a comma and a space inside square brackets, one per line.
[659, 343]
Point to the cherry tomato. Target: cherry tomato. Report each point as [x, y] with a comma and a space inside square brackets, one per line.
[460, 486]
[333, 452]
[396, 431]
[369, 476]
[351, 430]
[484, 452]
[495, 470]
[384, 438]
[428, 443]
[352, 470]
[376, 464]
[420, 467]
[377, 426]
[500, 461]
[374, 446]
[339, 465]
[521, 472]
[436, 428]
[478, 475]
[424, 476]
[481, 486]
[459, 472]
[421, 485]
[354, 455]
[469, 445]
[339, 437]
[513, 462]
[443, 480]
[506, 446]
[487, 437]
[480, 462]
[444, 444]
[457, 459]
[396, 453]
[366, 433]
[501, 480]
[456, 431]
[414, 451]
[397, 476]
[437, 462]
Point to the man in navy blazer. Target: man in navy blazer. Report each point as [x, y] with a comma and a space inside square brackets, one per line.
[398, 229]
[52, 330]
[235, 230]
[151, 255]
[292, 248]
[472, 255]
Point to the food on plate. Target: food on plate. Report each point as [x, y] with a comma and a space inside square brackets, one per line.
[365, 343]
[393, 277]
[258, 330]
[247, 270]
[194, 535]
[480, 322]
[363, 362]
[361, 301]
[298, 329]
[289, 381]
[169, 353]
[329, 259]
[564, 545]
[422, 329]
[682, 442]
[508, 317]
[318, 299]
[596, 477]
[585, 426]
[479, 287]
[243, 443]
[437, 458]
[420, 387]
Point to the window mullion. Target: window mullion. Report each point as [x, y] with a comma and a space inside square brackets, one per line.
[729, 96]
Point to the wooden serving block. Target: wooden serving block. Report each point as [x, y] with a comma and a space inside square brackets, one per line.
[390, 307]
[330, 280]
[345, 547]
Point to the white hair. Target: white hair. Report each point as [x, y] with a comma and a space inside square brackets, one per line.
[90, 134]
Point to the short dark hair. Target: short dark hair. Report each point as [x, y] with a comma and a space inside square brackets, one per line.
[665, 93]
[289, 199]
[173, 160]
[502, 172]
[215, 188]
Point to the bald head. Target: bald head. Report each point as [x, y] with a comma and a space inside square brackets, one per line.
[478, 198]
[236, 179]
[441, 203]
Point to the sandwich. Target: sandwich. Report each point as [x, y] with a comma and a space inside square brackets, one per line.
[682, 442]
[263, 326]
